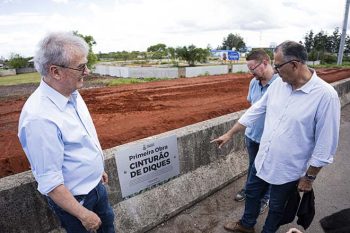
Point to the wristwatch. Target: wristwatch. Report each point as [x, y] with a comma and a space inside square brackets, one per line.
[310, 177]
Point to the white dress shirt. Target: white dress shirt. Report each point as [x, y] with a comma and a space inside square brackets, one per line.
[60, 141]
[301, 129]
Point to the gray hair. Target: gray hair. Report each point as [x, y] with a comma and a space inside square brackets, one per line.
[292, 50]
[58, 48]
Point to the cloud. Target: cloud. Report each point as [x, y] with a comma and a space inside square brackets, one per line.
[130, 25]
[20, 19]
[60, 1]
[6, 1]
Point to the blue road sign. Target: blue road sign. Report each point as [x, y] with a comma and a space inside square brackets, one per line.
[233, 55]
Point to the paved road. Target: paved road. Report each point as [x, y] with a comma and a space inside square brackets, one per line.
[332, 191]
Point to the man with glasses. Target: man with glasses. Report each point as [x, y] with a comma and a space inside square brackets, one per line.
[60, 141]
[259, 64]
[300, 136]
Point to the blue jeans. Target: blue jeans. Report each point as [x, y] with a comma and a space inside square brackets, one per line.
[253, 148]
[255, 190]
[97, 201]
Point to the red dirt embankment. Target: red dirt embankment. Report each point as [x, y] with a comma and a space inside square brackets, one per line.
[126, 113]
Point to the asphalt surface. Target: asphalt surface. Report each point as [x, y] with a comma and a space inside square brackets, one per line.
[332, 194]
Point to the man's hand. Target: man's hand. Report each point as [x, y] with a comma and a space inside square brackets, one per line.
[90, 221]
[104, 178]
[227, 136]
[305, 185]
[64, 199]
[221, 140]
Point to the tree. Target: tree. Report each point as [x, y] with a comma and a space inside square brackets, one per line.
[347, 45]
[158, 51]
[233, 41]
[191, 54]
[334, 41]
[17, 61]
[173, 56]
[309, 41]
[322, 47]
[321, 42]
[92, 58]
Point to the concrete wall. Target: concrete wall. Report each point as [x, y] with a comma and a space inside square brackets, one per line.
[205, 70]
[112, 71]
[144, 72]
[7, 72]
[25, 70]
[203, 170]
[153, 72]
[136, 72]
[239, 68]
[313, 63]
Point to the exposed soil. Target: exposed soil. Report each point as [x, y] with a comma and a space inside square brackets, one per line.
[126, 113]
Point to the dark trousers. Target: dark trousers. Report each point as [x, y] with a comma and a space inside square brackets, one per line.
[97, 201]
[255, 190]
[253, 148]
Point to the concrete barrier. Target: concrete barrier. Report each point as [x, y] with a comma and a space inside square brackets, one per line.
[313, 63]
[115, 71]
[153, 72]
[8, 72]
[205, 70]
[239, 68]
[136, 72]
[25, 70]
[158, 72]
[204, 169]
[166, 72]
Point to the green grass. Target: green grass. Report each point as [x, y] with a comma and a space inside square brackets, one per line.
[20, 79]
[122, 81]
[35, 78]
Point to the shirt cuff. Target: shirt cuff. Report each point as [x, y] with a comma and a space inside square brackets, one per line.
[49, 181]
[243, 121]
[316, 162]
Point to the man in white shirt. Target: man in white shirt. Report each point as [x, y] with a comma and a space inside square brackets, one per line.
[60, 141]
[300, 136]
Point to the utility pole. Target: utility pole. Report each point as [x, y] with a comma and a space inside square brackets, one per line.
[343, 34]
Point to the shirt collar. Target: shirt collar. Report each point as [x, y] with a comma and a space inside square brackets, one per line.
[272, 79]
[57, 98]
[308, 86]
[269, 82]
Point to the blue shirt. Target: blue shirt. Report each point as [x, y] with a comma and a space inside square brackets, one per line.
[301, 129]
[60, 141]
[256, 91]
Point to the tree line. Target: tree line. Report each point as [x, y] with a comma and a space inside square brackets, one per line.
[191, 54]
[324, 47]
[320, 46]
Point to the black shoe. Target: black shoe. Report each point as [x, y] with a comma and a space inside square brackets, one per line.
[240, 196]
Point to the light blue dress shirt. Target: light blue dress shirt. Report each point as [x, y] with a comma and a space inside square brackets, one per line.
[60, 141]
[301, 129]
[256, 91]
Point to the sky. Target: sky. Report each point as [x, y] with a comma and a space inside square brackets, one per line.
[134, 25]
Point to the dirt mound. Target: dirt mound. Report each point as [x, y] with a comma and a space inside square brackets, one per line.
[126, 113]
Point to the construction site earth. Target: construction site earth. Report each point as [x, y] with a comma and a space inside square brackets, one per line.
[126, 113]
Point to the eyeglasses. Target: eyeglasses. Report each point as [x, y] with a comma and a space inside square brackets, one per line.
[278, 66]
[82, 68]
[253, 69]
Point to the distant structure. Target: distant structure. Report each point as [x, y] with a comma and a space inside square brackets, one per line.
[225, 54]
[343, 34]
[273, 45]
